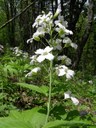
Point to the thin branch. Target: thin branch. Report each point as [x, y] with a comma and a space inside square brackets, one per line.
[12, 19]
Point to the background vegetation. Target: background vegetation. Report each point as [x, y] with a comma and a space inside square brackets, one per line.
[16, 19]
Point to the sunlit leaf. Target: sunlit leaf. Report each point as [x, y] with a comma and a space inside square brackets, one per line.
[34, 118]
[58, 123]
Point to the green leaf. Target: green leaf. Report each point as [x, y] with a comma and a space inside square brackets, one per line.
[41, 89]
[58, 123]
[59, 112]
[34, 118]
[13, 123]
[1, 96]
[9, 69]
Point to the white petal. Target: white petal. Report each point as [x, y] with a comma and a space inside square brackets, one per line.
[68, 61]
[67, 40]
[68, 31]
[75, 100]
[32, 62]
[49, 56]
[56, 22]
[57, 12]
[36, 34]
[70, 74]
[33, 57]
[39, 51]
[60, 72]
[61, 26]
[57, 29]
[34, 24]
[35, 70]
[74, 45]
[59, 58]
[58, 41]
[64, 67]
[58, 47]
[40, 58]
[28, 74]
[48, 49]
[67, 95]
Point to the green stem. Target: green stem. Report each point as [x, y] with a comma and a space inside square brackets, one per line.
[49, 98]
[50, 84]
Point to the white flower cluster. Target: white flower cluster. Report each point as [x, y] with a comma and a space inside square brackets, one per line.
[63, 70]
[47, 24]
[64, 58]
[19, 52]
[42, 23]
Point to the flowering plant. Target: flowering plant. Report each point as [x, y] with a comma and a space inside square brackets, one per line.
[58, 35]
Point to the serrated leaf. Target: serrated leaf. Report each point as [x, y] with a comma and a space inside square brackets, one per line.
[41, 89]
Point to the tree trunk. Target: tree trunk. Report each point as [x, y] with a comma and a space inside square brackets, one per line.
[85, 36]
[10, 13]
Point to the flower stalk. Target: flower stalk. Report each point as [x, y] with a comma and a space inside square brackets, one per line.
[49, 98]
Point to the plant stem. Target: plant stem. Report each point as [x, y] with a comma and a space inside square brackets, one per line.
[49, 98]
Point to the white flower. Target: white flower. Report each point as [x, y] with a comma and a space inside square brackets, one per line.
[68, 32]
[68, 42]
[57, 12]
[68, 95]
[36, 35]
[33, 59]
[61, 20]
[58, 47]
[36, 23]
[75, 100]
[44, 54]
[25, 54]
[63, 70]
[49, 16]
[90, 82]
[65, 59]
[44, 21]
[35, 70]
[62, 29]
[69, 74]
[17, 51]
[73, 45]
[43, 24]
[57, 44]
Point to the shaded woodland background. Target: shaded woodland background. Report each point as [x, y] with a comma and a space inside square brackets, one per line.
[17, 17]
